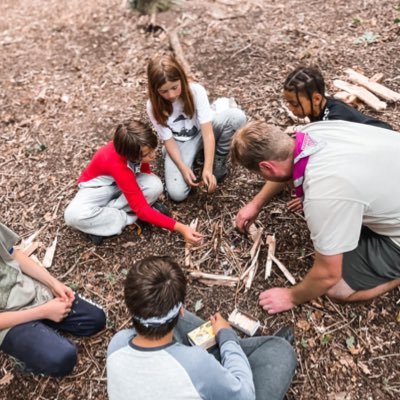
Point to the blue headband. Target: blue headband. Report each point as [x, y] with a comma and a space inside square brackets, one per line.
[156, 321]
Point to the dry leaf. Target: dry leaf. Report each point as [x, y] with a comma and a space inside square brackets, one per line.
[364, 368]
[355, 349]
[303, 325]
[6, 379]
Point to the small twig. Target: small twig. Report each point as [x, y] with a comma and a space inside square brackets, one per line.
[204, 275]
[271, 252]
[384, 356]
[71, 269]
[284, 270]
[241, 50]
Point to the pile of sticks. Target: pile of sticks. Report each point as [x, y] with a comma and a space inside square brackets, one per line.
[229, 265]
[29, 246]
[368, 90]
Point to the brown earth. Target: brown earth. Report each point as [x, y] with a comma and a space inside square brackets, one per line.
[71, 70]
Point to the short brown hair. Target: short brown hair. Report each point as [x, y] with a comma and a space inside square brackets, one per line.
[130, 137]
[163, 69]
[153, 287]
[258, 141]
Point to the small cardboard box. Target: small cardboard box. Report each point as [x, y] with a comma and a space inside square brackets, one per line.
[202, 336]
[244, 322]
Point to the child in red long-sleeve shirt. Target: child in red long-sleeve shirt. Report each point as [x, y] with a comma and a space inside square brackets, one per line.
[118, 187]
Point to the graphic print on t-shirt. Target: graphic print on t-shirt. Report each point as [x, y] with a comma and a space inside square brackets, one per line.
[179, 129]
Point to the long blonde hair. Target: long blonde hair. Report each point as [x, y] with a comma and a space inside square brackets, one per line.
[164, 69]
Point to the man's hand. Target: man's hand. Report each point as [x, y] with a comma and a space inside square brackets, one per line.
[276, 300]
[295, 205]
[218, 322]
[189, 177]
[246, 216]
[56, 310]
[62, 291]
[209, 180]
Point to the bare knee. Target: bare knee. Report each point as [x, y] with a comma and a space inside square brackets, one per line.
[340, 292]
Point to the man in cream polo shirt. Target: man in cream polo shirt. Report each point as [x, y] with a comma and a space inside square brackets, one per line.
[347, 175]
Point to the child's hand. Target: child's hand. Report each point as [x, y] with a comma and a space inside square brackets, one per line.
[218, 322]
[189, 177]
[62, 291]
[209, 180]
[56, 310]
[295, 205]
[189, 234]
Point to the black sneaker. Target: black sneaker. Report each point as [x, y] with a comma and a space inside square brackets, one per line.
[95, 239]
[220, 170]
[286, 332]
[160, 207]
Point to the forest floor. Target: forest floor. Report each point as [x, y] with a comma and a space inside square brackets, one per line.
[71, 70]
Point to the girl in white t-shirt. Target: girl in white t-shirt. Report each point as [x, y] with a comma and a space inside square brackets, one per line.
[181, 114]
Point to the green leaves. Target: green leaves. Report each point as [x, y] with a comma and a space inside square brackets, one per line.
[350, 342]
[368, 38]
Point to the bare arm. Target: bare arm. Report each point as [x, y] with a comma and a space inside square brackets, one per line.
[175, 154]
[35, 271]
[209, 153]
[55, 310]
[248, 214]
[324, 274]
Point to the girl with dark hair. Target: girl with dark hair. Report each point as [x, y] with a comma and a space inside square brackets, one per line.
[304, 92]
[117, 188]
[181, 114]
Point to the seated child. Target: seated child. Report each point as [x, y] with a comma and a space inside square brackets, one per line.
[34, 306]
[181, 114]
[117, 188]
[154, 360]
[304, 92]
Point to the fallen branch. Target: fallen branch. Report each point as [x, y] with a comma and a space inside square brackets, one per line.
[271, 252]
[213, 277]
[49, 255]
[188, 246]
[362, 93]
[375, 87]
[30, 248]
[209, 282]
[284, 270]
[252, 271]
[257, 243]
[346, 97]
[177, 49]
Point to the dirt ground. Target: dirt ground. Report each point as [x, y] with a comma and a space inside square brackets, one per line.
[71, 70]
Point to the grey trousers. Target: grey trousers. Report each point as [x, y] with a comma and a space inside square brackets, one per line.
[225, 124]
[103, 210]
[272, 359]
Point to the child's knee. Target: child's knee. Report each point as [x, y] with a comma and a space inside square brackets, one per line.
[62, 361]
[177, 193]
[98, 320]
[71, 216]
[155, 188]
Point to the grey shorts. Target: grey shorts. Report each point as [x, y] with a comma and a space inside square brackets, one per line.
[375, 261]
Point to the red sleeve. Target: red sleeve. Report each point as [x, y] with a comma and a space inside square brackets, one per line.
[145, 168]
[126, 181]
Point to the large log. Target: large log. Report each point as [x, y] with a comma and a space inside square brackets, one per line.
[373, 86]
[363, 94]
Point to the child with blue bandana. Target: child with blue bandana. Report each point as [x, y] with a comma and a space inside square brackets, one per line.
[155, 361]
